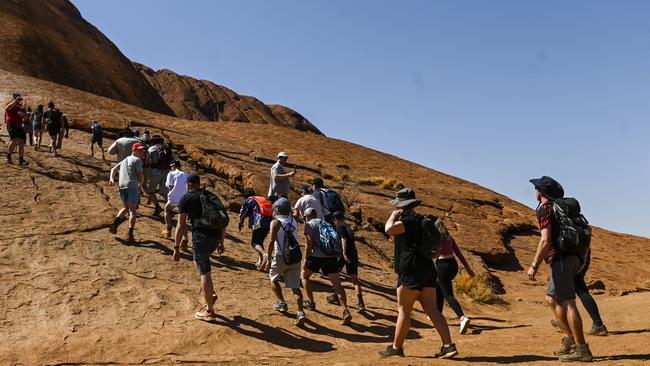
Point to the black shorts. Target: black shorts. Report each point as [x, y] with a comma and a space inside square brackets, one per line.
[327, 265]
[351, 268]
[97, 140]
[259, 235]
[16, 133]
[417, 281]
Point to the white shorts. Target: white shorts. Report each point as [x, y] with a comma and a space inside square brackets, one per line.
[291, 273]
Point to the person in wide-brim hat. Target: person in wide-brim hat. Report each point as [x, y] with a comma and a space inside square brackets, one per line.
[548, 187]
[405, 197]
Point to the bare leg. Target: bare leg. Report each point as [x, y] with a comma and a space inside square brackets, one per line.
[405, 300]
[21, 148]
[12, 146]
[428, 302]
[306, 283]
[132, 213]
[298, 295]
[340, 291]
[574, 320]
[208, 290]
[560, 315]
[121, 212]
[357, 285]
[277, 290]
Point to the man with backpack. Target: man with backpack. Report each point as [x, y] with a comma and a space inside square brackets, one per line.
[557, 249]
[159, 159]
[65, 129]
[14, 114]
[280, 183]
[259, 213]
[322, 252]
[285, 254]
[177, 187]
[307, 200]
[350, 255]
[328, 198]
[122, 146]
[209, 221]
[53, 124]
[97, 137]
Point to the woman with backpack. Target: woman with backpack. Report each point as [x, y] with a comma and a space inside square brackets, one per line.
[259, 212]
[37, 125]
[447, 268]
[285, 254]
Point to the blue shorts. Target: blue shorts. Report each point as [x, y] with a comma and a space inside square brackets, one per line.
[203, 245]
[130, 195]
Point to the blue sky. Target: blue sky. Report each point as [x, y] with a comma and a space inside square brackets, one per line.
[493, 92]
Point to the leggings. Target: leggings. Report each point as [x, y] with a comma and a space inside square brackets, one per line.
[447, 270]
[587, 300]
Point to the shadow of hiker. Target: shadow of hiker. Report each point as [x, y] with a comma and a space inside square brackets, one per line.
[635, 331]
[382, 337]
[504, 359]
[478, 329]
[151, 244]
[277, 336]
[231, 263]
[645, 356]
[234, 239]
[392, 319]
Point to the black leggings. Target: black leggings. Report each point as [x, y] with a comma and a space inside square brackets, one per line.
[587, 300]
[447, 270]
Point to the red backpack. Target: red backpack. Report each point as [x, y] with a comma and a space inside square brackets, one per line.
[266, 207]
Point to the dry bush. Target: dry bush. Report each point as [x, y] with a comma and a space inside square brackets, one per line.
[393, 184]
[477, 288]
[350, 197]
[371, 181]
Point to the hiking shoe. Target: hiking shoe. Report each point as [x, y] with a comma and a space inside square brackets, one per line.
[347, 317]
[117, 221]
[464, 324]
[556, 324]
[22, 161]
[333, 299]
[447, 351]
[281, 307]
[390, 351]
[157, 210]
[309, 305]
[568, 345]
[300, 319]
[361, 307]
[581, 354]
[598, 331]
[206, 315]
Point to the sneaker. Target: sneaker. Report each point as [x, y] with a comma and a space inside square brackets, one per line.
[22, 161]
[390, 351]
[567, 347]
[115, 224]
[598, 331]
[464, 324]
[281, 307]
[581, 354]
[447, 351]
[361, 307]
[300, 319]
[333, 299]
[157, 210]
[347, 317]
[309, 305]
[206, 315]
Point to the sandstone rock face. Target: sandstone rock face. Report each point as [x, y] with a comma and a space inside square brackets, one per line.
[50, 40]
[195, 99]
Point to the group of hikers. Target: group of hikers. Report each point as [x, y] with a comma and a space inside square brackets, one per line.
[22, 121]
[424, 251]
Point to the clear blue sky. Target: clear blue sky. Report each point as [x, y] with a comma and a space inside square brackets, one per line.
[495, 92]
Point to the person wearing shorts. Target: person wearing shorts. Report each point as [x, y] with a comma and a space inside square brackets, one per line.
[14, 114]
[131, 183]
[176, 187]
[52, 118]
[281, 226]
[316, 260]
[37, 125]
[350, 257]
[416, 275]
[97, 137]
[561, 291]
[28, 126]
[204, 243]
[257, 222]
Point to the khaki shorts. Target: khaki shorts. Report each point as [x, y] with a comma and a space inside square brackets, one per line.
[291, 272]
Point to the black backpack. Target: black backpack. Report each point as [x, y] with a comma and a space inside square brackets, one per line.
[290, 248]
[165, 157]
[430, 242]
[54, 118]
[214, 215]
[331, 200]
[574, 236]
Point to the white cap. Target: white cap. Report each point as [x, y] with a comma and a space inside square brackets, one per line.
[282, 154]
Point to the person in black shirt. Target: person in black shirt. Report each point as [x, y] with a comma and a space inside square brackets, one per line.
[350, 255]
[416, 275]
[204, 243]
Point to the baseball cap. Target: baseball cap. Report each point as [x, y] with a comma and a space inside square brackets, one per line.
[193, 178]
[138, 146]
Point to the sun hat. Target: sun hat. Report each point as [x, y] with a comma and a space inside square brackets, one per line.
[405, 197]
[548, 187]
[282, 206]
[282, 154]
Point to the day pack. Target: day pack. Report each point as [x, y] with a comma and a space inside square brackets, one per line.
[430, 243]
[54, 118]
[332, 200]
[161, 157]
[290, 248]
[574, 236]
[214, 215]
[266, 207]
[329, 241]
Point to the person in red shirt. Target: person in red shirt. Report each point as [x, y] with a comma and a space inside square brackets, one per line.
[561, 292]
[14, 114]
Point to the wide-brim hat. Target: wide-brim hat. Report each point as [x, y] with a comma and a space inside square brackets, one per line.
[282, 154]
[405, 197]
[548, 187]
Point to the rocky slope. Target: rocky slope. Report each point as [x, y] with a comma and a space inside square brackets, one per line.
[190, 98]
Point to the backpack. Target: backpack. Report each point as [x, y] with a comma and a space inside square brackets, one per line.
[332, 201]
[98, 131]
[164, 157]
[214, 215]
[290, 248]
[430, 242]
[574, 236]
[266, 207]
[54, 118]
[329, 241]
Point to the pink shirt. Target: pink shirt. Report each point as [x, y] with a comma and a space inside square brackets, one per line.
[448, 247]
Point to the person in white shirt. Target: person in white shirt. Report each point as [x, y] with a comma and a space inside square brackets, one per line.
[307, 200]
[177, 188]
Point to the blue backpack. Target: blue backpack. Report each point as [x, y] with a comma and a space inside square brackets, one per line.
[328, 241]
[333, 200]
